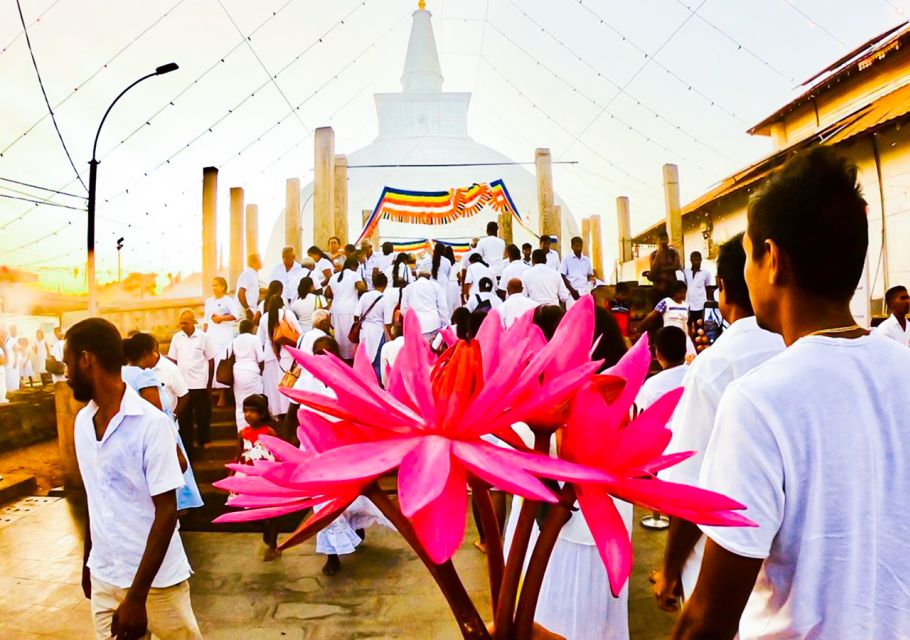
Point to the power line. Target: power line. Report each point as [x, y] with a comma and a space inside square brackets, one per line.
[813, 23]
[44, 93]
[39, 202]
[37, 240]
[35, 186]
[91, 77]
[34, 22]
[659, 64]
[633, 76]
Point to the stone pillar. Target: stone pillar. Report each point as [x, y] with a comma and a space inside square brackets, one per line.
[562, 246]
[292, 215]
[373, 237]
[623, 225]
[586, 236]
[209, 228]
[597, 255]
[341, 198]
[548, 223]
[505, 227]
[236, 259]
[252, 229]
[66, 408]
[324, 187]
[674, 211]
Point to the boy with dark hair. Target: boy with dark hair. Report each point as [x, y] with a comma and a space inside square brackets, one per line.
[895, 325]
[699, 282]
[526, 250]
[737, 351]
[814, 442]
[670, 350]
[134, 571]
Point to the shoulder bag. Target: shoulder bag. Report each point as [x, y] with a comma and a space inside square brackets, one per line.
[354, 333]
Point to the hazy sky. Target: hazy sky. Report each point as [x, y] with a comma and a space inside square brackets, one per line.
[620, 87]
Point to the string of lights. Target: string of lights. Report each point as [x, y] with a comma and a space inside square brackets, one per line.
[690, 87]
[39, 187]
[631, 78]
[92, 76]
[603, 76]
[814, 24]
[43, 203]
[50, 109]
[566, 130]
[647, 138]
[740, 46]
[31, 24]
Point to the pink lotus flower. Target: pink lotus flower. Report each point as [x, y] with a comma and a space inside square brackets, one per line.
[598, 434]
[429, 424]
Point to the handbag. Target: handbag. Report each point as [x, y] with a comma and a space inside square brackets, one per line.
[354, 333]
[285, 335]
[224, 374]
[290, 377]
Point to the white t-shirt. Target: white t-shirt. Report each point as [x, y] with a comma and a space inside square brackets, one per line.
[304, 308]
[428, 300]
[675, 314]
[135, 460]
[576, 270]
[318, 274]
[491, 249]
[387, 356]
[192, 355]
[696, 294]
[512, 270]
[738, 350]
[248, 352]
[474, 274]
[344, 292]
[815, 442]
[249, 282]
[404, 274]
[307, 341]
[659, 384]
[891, 328]
[553, 259]
[383, 261]
[168, 374]
[289, 279]
[515, 306]
[544, 285]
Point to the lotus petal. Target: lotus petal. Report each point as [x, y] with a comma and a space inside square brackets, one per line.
[501, 473]
[440, 525]
[318, 520]
[250, 515]
[610, 535]
[353, 462]
[423, 473]
[363, 367]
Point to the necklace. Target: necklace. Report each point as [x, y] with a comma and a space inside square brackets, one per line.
[852, 327]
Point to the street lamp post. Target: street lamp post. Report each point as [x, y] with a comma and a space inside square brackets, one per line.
[92, 186]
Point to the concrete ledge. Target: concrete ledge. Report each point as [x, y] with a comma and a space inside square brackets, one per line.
[16, 485]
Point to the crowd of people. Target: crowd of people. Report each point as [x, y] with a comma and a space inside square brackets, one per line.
[790, 407]
[28, 362]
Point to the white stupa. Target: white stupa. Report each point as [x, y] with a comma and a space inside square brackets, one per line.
[424, 125]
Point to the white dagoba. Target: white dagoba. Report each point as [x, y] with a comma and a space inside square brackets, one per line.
[425, 125]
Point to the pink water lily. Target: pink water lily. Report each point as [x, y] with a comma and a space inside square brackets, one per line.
[431, 420]
[599, 434]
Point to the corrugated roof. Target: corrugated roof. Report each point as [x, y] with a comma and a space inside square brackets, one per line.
[879, 113]
[859, 59]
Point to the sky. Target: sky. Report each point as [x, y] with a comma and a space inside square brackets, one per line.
[620, 88]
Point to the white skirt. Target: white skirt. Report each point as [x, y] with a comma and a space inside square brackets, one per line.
[342, 323]
[246, 383]
[453, 296]
[340, 538]
[12, 378]
[371, 335]
[271, 376]
[575, 599]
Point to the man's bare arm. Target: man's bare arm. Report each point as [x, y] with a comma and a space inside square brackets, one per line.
[724, 585]
[682, 536]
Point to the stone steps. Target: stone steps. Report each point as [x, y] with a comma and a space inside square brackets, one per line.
[16, 485]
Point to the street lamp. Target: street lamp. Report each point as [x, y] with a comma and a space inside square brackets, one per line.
[92, 185]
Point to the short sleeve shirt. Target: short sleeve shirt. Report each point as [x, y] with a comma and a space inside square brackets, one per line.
[192, 354]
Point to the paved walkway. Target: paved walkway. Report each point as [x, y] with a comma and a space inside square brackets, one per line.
[382, 592]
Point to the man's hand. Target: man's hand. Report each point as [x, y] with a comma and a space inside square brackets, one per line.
[667, 590]
[130, 620]
[86, 582]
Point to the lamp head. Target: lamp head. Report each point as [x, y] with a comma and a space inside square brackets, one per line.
[166, 68]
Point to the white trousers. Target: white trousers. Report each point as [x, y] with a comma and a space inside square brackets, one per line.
[170, 613]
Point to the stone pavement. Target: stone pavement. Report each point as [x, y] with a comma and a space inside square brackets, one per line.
[382, 591]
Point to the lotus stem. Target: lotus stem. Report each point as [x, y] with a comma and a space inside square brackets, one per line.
[508, 594]
[469, 622]
[540, 558]
[492, 535]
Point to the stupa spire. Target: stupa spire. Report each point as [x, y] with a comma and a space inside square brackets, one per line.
[422, 73]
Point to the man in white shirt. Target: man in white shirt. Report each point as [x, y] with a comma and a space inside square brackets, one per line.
[697, 280]
[135, 571]
[542, 284]
[384, 261]
[526, 250]
[389, 353]
[428, 300]
[737, 351]
[56, 352]
[370, 263]
[491, 247]
[812, 442]
[248, 286]
[670, 350]
[288, 272]
[514, 269]
[895, 325]
[516, 304]
[170, 377]
[577, 270]
[193, 351]
[546, 245]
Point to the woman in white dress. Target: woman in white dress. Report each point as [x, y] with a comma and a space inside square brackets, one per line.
[371, 311]
[306, 303]
[399, 276]
[451, 286]
[249, 357]
[322, 270]
[219, 323]
[40, 351]
[344, 290]
[276, 357]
